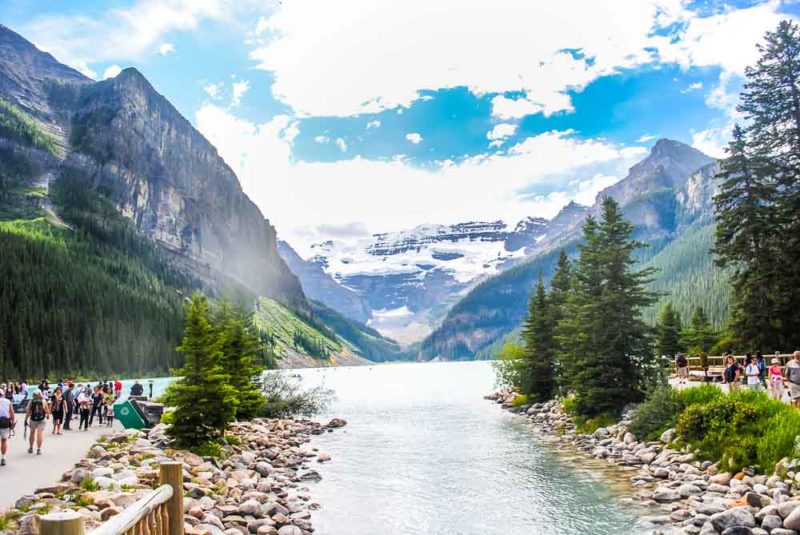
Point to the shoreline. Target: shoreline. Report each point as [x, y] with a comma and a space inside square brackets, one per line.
[259, 485]
[677, 493]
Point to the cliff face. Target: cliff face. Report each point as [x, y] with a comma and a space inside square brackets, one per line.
[136, 148]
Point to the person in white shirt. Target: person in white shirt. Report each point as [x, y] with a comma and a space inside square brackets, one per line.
[6, 425]
[753, 373]
[84, 406]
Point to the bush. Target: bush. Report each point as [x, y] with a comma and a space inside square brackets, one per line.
[209, 449]
[657, 413]
[519, 400]
[590, 425]
[286, 397]
[700, 394]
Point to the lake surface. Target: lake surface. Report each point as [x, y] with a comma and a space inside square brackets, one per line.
[423, 452]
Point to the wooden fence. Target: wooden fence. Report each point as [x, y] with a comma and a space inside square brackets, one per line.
[716, 364]
[158, 513]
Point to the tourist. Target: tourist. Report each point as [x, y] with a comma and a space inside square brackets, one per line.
[58, 408]
[36, 416]
[84, 406]
[792, 376]
[97, 405]
[150, 386]
[117, 389]
[6, 426]
[753, 374]
[9, 392]
[109, 400]
[776, 380]
[69, 400]
[137, 389]
[731, 373]
[762, 367]
[682, 366]
[23, 389]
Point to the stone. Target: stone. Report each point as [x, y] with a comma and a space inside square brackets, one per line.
[263, 468]
[251, 507]
[290, 530]
[771, 522]
[738, 516]
[721, 479]
[323, 457]
[688, 490]
[107, 513]
[665, 495]
[785, 508]
[668, 436]
[793, 520]
[738, 530]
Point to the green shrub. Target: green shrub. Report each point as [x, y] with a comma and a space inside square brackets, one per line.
[89, 484]
[590, 425]
[569, 405]
[700, 394]
[657, 413]
[231, 440]
[519, 400]
[779, 439]
[208, 449]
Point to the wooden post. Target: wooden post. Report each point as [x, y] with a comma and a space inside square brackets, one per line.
[66, 523]
[171, 473]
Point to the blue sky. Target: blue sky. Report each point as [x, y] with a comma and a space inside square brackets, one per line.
[382, 115]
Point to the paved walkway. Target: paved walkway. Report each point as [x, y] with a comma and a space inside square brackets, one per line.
[24, 473]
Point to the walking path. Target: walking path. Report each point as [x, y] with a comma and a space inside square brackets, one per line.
[24, 473]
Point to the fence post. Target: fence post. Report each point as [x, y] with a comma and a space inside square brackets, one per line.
[65, 523]
[171, 473]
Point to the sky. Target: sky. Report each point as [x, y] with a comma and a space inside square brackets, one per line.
[343, 118]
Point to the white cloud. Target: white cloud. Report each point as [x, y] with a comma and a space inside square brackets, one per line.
[367, 60]
[239, 89]
[322, 140]
[373, 124]
[713, 141]
[587, 190]
[111, 71]
[126, 33]
[394, 194]
[501, 131]
[342, 144]
[414, 138]
[646, 138]
[166, 48]
[214, 90]
[693, 87]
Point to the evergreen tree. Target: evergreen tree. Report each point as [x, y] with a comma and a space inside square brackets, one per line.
[560, 289]
[540, 384]
[240, 347]
[669, 331]
[700, 336]
[204, 400]
[611, 346]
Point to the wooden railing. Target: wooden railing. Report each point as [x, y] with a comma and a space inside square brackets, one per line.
[716, 364]
[158, 513]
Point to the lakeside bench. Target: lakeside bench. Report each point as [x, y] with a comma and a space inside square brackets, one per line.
[160, 512]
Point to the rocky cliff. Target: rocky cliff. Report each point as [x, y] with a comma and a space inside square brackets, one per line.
[126, 140]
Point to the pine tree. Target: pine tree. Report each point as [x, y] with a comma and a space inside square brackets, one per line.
[204, 400]
[613, 351]
[669, 331]
[540, 384]
[240, 347]
[560, 288]
[700, 336]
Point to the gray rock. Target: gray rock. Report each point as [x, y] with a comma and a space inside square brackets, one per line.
[688, 490]
[738, 530]
[290, 530]
[771, 522]
[251, 507]
[793, 520]
[668, 436]
[738, 516]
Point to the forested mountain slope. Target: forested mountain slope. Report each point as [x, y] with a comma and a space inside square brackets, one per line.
[665, 196]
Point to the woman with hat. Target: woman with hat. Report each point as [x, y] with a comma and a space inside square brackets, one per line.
[776, 379]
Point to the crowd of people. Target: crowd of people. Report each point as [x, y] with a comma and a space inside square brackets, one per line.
[59, 405]
[756, 374]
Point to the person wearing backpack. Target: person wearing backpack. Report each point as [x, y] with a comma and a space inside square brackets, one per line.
[69, 399]
[36, 416]
[6, 425]
[682, 367]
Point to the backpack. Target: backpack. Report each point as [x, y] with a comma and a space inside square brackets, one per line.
[37, 410]
[682, 362]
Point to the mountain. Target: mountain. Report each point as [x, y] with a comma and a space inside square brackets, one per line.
[667, 196]
[112, 209]
[321, 287]
[408, 279]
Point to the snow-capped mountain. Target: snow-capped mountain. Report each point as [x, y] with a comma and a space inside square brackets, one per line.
[409, 279]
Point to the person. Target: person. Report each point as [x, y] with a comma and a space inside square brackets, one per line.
[762, 367]
[109, 400]
[69, 400]
[36, 416]
[137, 389]
[753, 374]
[6, 426]
[23, 389]
[117, 389]
[682, 365]
[150, 386]
[792, 376]
[97, 405]
[776, 380]
[84, 406]
[58, 407]
[732, 373]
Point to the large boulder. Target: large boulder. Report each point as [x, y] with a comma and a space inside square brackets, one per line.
[736, 517]
[666, 495]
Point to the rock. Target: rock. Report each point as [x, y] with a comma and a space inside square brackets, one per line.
[688, 490]
[333, 424]
[785, 508]
[601, 432]
[721, 479]
[97, 452]
[629, 438]
[251, 507]
[290, 530]
[668, 436]
[781, 531]
[263, 468]
[104, 482]
[323, 457]
[738, 516]
[665, 495]
[793, 520]
[107, 513]
[756, 500]
[709, 508]
[738, 530]
[771, 522]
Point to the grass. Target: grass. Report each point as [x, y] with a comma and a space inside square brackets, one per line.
[209, 449]
[18, 126]
[89, 485]
[519, 400]
[281, 325]
[590, 425]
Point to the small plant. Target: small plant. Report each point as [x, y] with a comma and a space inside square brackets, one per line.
[209, 449]
[89, 485]
[590, 425]
[82, 501]
[231, 440]
[569, 405]
[519, 400]
[287, 398]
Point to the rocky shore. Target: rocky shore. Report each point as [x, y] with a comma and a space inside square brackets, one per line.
[679, 493]
[256, 487]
